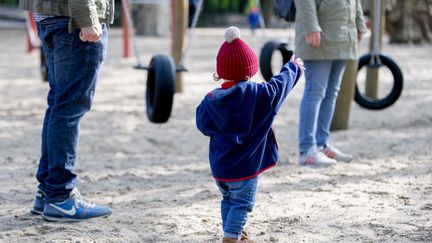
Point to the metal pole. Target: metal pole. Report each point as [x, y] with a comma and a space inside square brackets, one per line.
[126, 5]
[376, 27]
[31, 32]
[125, 26]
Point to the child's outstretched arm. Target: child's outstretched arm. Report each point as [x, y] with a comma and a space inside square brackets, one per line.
[298, 62]
[280, 85]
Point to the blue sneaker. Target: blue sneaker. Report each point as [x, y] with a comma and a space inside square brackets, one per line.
[74, 209]
[39, 203]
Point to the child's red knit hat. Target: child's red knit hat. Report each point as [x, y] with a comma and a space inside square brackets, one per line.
[235, 59]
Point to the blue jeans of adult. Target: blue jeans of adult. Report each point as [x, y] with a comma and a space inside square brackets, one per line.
[73, 68]
[323, 79]
[238, 199]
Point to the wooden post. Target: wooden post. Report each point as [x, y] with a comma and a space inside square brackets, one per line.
[372, 74]
[180, 15]
[346, 95]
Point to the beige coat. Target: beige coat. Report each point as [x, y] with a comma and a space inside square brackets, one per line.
[337, 20]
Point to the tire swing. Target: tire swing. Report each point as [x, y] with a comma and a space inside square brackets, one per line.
[160, 87]
[377, 61]
[265, 59]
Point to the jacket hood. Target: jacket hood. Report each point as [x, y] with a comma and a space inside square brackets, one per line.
[229, 111]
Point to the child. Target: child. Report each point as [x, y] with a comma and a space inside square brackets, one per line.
[238, 117]
[254, 19]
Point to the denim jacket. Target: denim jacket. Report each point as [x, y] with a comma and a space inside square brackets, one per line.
[82, 13]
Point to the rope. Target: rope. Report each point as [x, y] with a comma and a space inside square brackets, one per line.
[126, 10]
[190, 32]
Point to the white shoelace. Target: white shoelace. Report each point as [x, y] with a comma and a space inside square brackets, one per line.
[79, 200]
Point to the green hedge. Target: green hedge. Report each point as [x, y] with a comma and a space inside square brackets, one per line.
[8, 2]
[228, 6]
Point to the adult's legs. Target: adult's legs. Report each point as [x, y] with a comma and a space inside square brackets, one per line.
[42, 172]
[74, 67]
[317, 75]
[328, 104]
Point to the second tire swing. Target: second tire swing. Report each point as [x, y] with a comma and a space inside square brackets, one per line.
[376, 61]
[266, 55]
[369, 60]
[161, 77]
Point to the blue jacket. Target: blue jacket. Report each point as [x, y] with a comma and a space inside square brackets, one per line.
[238, 121]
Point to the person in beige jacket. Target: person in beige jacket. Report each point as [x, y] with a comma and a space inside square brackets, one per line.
[74, 37]
[327, 34]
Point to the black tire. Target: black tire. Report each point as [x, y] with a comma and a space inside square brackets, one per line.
[287, 51]
[378, 104]
[267, 53]
[160, 88]
[43, 66]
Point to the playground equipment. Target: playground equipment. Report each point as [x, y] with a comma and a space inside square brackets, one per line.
[374, 61]
[266, 56]
[161, 78]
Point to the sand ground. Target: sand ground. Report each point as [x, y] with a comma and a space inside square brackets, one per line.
[157, 179]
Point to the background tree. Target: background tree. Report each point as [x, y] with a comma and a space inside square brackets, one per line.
[409, 21]
[151, 19]
[268, 11]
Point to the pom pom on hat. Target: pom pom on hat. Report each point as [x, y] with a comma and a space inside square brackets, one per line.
[231, 34]
[235, 60]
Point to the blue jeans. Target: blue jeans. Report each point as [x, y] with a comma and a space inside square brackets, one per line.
[73, 68]
[238, 199]
[323, 79]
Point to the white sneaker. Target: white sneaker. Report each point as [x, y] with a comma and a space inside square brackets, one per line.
[316, 158]
[334, 153]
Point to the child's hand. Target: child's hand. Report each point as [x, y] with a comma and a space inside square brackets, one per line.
[298, 62]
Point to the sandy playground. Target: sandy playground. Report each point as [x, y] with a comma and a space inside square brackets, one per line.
[157, 179]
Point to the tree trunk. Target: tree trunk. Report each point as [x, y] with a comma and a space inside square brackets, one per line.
[152, 20]
[267, 11]
[409, 21]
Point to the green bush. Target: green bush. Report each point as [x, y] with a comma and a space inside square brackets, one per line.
[8, 2]
[228, 6]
